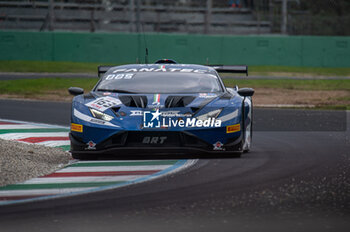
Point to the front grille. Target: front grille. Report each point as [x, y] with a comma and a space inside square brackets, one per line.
[154, 139]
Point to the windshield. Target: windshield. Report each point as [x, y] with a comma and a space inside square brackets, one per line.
[153, 82]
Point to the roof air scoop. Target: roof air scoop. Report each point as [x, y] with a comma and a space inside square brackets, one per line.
[165, 61]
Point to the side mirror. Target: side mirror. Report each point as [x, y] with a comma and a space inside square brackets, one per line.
[246, 92]
[75, 91]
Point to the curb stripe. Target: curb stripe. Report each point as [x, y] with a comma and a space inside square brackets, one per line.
[119, 161]
[5, 131]
[113, 169]
[80, 177]
[21, 126]
[64, 147]
[8, 123]
[42, 139]
[126, 163]
[65, 192]
[115, 173]
[54, 143]
[58, 185]
[34, 192]
[12, 136]
[22, 197]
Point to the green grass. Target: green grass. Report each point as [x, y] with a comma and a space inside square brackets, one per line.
[313, 71]
[317, 84]
[48, 66]
[45, 85]
[56, 88]
[78, 67]
[41, 86]
[333, 107]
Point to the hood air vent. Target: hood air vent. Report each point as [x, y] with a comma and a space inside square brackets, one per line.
[134, 101]
[178, 101]
[89, 96]
[195, 109]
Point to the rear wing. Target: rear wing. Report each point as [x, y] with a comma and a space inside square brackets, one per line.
[219, 68]
[103, 69]
[231, 68]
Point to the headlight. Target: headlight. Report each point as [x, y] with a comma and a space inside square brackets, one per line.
[99, 115]
[211, 114]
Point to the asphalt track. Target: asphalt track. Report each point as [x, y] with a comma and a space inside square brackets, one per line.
[295, 179]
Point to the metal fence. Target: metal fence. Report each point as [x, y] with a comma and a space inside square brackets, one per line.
[310, 17]
[294, 17]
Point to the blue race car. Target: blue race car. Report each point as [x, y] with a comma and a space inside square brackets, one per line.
[161, 108]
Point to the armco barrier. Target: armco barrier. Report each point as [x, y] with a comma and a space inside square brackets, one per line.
[309, 51]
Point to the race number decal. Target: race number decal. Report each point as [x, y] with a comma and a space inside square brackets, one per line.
[126, 76]
[104, 103]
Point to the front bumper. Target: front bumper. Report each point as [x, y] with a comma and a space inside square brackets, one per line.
[155, 142]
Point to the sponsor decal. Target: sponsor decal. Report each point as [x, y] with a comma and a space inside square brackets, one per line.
[218, 146]
[76, 127]
[91, 145]
[175, 114]
[161, 68]
[155, 120]
[104, 103]
[154, 140]
[169, 113]
[97, 121]
[233, 128]
[136, 113]
[156, 102]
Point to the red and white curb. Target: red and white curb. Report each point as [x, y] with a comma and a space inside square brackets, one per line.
[80, 176]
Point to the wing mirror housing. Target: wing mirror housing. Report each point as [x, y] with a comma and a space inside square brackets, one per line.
[246, 92]
[75, 91]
